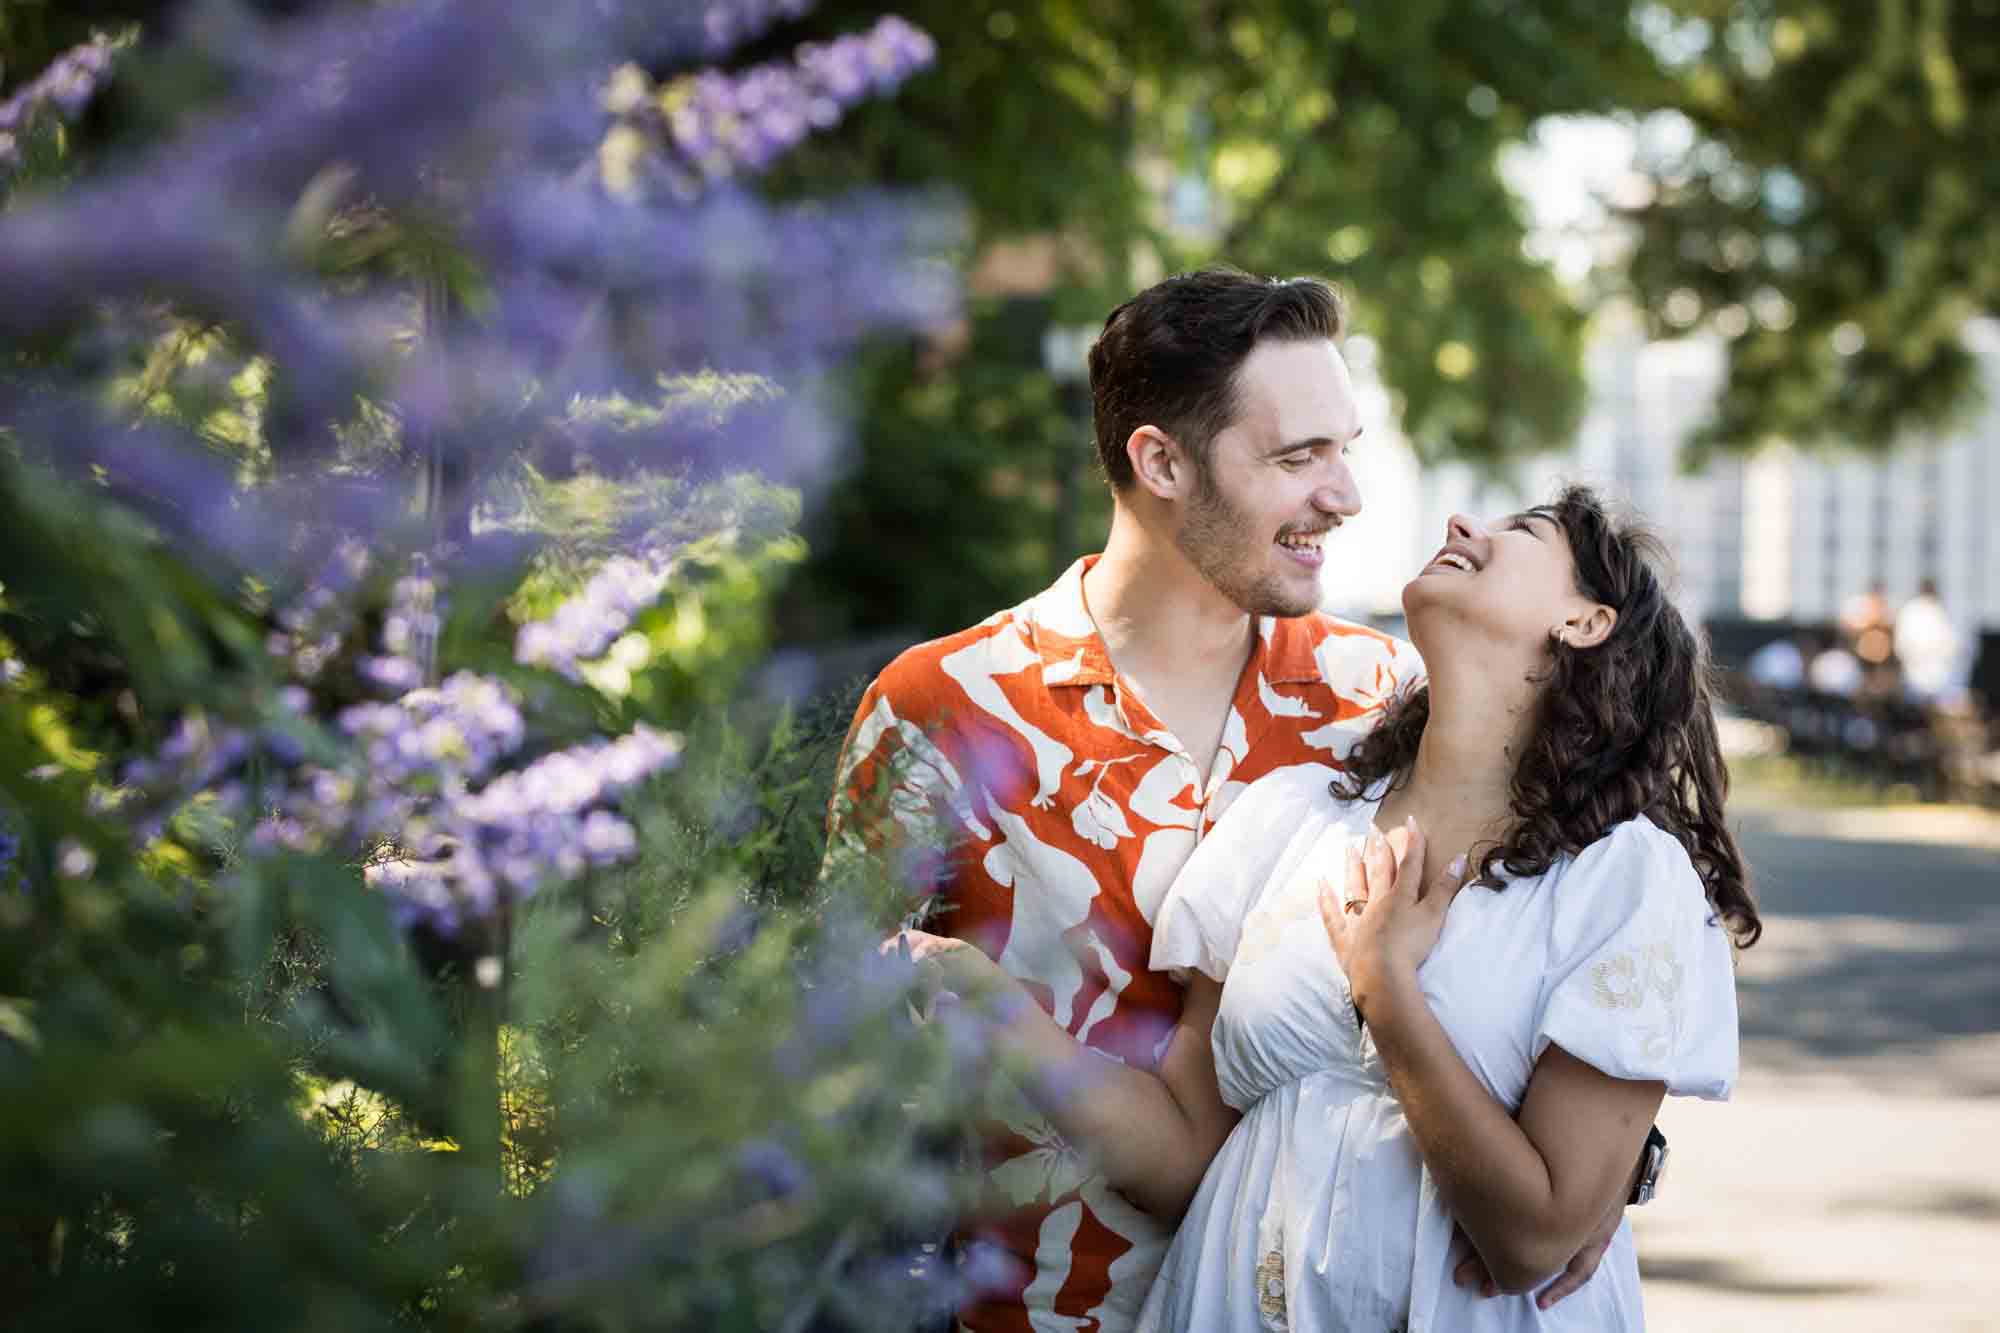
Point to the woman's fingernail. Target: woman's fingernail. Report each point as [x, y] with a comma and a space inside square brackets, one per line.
[1410, 823]
[1457, 866]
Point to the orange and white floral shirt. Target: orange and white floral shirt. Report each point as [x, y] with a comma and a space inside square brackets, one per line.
[1069, 808]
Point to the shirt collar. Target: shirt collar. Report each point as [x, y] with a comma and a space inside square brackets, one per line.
[1060, 627]
[1286, 646]
[1073, 652]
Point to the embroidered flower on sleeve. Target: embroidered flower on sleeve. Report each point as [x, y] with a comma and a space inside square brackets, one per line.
[1627, 980]
[1615, 983]
[1664, 972]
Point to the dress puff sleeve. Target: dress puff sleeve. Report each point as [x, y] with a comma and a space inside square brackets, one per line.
[1641, 981]
[1200, 919]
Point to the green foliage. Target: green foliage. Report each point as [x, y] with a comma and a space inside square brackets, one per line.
[1827, 213]
[1358, 144]
[233, 1093]
[241, 1085]
[974, 479]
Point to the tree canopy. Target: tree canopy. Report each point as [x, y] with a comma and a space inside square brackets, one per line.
[1100, 146]
[1825, 207]
[1816, 182]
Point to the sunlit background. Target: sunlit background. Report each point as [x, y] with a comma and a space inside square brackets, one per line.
[429, 424]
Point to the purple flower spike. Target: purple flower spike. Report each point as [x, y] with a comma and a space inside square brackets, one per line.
[723, 125]
[68, 84]
[585, 626]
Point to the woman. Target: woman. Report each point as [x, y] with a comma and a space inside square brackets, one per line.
[1412, 1042]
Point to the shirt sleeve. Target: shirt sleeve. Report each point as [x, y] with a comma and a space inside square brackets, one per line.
[1642, 981]
[1200, 920]
[896, 796]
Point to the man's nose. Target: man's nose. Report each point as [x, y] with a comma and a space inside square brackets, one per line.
[1340, 496]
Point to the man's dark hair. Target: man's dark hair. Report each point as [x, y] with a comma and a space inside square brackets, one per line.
[1168, 357]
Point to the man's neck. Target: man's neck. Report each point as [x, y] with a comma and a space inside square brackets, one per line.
[1158, 617]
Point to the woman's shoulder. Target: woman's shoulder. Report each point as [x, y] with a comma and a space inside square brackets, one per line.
[1637, 850]
[1639, 979]
[1635, 870]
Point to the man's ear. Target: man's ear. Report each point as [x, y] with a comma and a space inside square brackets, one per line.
[1590, 626]
[1158, 462]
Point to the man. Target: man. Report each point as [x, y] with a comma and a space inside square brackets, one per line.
[1079, 745]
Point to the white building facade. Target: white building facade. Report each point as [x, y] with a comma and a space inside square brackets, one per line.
[1781, 535]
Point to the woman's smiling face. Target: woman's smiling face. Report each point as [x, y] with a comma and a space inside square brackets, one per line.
[1510, 585]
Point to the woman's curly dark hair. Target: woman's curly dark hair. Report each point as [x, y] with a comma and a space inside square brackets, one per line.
[1624, 728]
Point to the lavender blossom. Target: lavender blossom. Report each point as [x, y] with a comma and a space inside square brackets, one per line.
[310, 629]
[773, 1169]
[197, 756]
[198, 222]
[727, 25]
[448, 735]
[475, 115]
[585, 626]
[68, 84]
[409, 630]
[727, 124]
[521, 832]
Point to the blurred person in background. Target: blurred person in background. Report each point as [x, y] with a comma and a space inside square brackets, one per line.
[1864, 621]
[1928, 647]
[1778, 667]
[1836, 672]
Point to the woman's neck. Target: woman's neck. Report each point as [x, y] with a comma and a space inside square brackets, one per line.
[1460, 787]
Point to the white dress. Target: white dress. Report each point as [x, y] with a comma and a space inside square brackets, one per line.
[1318, 1214]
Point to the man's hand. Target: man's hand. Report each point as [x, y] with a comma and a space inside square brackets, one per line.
[950, 970]
[1471, 1272]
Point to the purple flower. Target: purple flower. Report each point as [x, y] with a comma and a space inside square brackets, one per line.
[606, 838]
[772, 1168]
[729, 23]
[409, 630]
[521, 831]
[986, 1268]
[721, 125]
[477, 117]
[69, 84]
[584, 627]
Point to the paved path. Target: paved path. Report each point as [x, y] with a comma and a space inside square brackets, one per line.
[1853, 1183]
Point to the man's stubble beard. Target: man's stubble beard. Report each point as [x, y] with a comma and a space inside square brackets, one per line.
[1216, 538]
